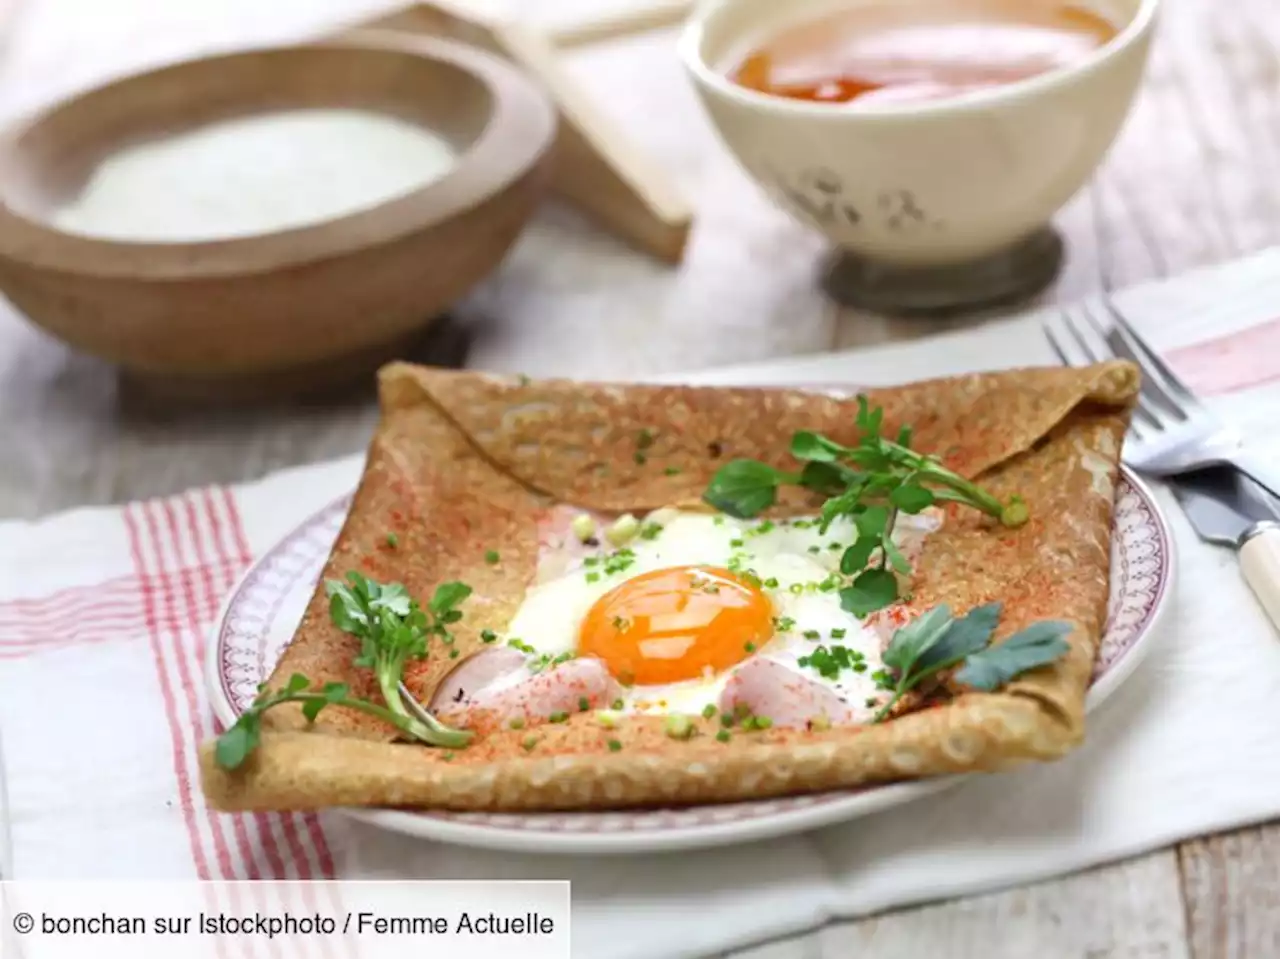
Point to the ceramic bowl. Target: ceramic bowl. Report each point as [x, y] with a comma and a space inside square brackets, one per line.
[287, 308]
[923, 184]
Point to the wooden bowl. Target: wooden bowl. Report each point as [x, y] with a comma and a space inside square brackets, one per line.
[292, 307]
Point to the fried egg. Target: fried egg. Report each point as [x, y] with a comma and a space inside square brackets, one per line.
[696, 612]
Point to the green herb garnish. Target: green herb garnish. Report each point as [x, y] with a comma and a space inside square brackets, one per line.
[394, 631]
[937, 641]
[491, 557]
[871, 483]
[828, 660]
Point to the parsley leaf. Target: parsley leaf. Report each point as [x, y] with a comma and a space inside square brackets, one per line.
[911, 498]
[745, 488]
[935, 642]
[816, 448]
[873, 589]
[916, 638]
[963, 637]
[858, 555]
[1037, 645]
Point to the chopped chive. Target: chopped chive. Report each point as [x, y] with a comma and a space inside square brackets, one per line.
[736, 544]
[678, 726]
[650, 531]
[617, 704]
[488, 636]
[859, 667]
[811, 634]
[529, 743]
[872, 702]
[763, 722]
[454, 654]
[672, 470]
[447, 756]
[640, 458]
[593, 577]
[491, 556]
[708, 711]
[614, 745]
[815, 549]
[644, 439]
[558, 717]
[517, 723]
[838, 633]
[796, 588]
[726, 719]
[393, 540]
[583, 704]
[771, 582]
[722, 736]
[749, 647]
[591, 561]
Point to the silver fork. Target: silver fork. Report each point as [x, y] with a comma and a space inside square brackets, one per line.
[1172, 432]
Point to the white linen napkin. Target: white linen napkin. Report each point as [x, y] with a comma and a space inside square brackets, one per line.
[102, 628]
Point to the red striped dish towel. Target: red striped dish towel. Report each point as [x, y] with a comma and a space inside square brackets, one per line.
[104, 619]
[105, 613]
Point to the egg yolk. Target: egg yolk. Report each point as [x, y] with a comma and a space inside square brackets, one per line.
[676, 624]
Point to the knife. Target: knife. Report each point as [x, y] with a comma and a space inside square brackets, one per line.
[1229, 509]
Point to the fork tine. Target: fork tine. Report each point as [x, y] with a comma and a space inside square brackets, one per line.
[1056, 345]
[1151, 361]
[1092, 353]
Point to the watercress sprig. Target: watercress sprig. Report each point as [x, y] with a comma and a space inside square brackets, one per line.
[394, 630]
[937, 641]
[872, 483]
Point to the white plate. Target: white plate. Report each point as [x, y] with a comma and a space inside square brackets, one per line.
[264, 608]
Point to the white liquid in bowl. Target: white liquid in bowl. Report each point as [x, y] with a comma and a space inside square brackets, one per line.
[256, 174]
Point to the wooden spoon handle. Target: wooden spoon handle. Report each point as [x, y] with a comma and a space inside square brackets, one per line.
[656, 15]
[1260, 563]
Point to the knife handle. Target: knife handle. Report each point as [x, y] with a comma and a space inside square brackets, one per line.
[1260, 563]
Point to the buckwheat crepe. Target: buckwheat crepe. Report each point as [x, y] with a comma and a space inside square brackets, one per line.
[462, 461]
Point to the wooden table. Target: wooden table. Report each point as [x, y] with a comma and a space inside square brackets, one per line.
[1195, 180]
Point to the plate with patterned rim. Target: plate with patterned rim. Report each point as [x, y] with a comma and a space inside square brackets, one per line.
[262, 611]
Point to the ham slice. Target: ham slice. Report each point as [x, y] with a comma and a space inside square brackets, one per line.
[499, 683]
[792, 700]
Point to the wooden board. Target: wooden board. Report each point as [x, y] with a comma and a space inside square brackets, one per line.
[600, 166]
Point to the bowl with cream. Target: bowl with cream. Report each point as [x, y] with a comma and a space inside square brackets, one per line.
[273, 218]
[919, 133]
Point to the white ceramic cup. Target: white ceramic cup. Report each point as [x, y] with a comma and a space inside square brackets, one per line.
[928, 183]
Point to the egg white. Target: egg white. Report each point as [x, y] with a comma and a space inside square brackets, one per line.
[797, 565]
